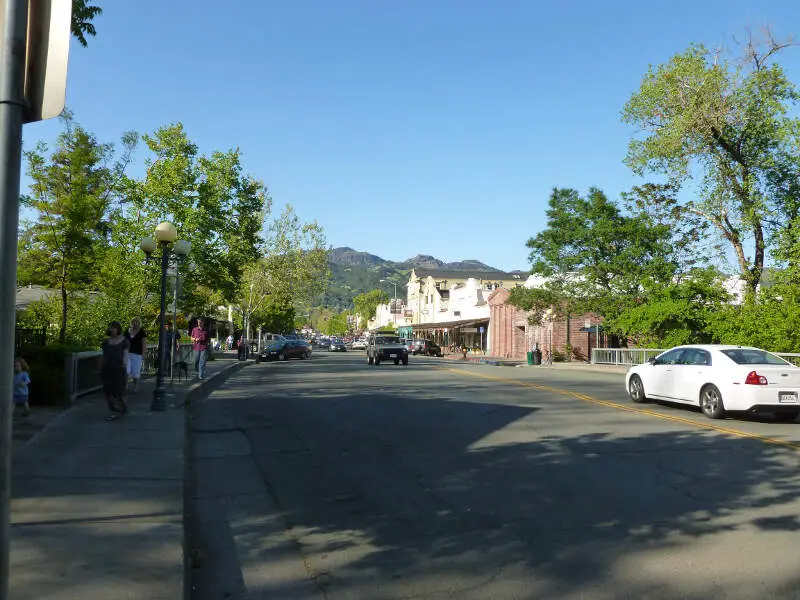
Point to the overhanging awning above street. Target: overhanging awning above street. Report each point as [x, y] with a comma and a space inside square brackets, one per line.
[450, 324]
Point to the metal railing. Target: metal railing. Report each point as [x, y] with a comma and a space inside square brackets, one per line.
[82, 373]
[791, 357]
[623, 356]
[150, 359]
[638, 356]
[30, 336]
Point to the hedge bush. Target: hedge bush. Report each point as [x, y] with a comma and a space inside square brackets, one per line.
[46, 369]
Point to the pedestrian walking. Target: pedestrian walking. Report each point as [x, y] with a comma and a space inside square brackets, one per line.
[21, 382]
[113, 370]
[200, 339]
[137, 339]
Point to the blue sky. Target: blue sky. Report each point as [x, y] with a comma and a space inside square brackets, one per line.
[420, 126]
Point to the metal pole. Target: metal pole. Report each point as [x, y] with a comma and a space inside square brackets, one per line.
[159, 402]
[174, 325]
[14, 26]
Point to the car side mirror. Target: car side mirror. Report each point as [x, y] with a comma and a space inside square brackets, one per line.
[652, 361]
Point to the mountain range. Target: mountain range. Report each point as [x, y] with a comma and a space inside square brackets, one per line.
[355, 272]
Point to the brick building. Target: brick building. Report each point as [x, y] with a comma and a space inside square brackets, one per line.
[511, 335]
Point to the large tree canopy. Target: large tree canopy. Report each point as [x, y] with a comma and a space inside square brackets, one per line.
[71, 191]
[367, 303]
[726, 126]
[593, 256]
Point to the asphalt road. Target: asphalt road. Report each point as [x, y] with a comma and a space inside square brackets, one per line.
[331, 479]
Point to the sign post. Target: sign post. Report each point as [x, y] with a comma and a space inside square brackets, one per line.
[32, 87]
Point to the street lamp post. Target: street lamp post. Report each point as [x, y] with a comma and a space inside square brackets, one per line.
[165, 236]
[182, 249]
[394, 308]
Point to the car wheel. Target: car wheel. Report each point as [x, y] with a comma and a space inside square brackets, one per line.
[786, 417]
[636, 389]
[369, 360]
[711, 402]
[281, 356]
[397, 361]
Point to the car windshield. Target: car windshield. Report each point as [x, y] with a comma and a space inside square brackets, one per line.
[387, 340]
[753, 356]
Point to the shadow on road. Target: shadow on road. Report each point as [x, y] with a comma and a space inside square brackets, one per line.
[386, 493]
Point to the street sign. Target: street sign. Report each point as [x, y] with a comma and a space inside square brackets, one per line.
[46, 58]
[480, 329]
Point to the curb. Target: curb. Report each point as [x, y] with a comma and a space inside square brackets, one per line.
[196, 392]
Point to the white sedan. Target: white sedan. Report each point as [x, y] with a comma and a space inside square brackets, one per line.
[719, 378]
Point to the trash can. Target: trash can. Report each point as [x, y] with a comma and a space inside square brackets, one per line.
[530, 357]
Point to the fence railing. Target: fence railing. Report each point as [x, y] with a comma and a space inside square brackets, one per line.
[82, 373]
[150, 359]
[638, 356]
[623, 356]
[29, 337]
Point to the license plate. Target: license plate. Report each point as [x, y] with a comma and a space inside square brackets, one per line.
[787, 396]
[393, 356]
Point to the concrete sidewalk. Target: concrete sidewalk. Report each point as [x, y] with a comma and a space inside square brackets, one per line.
[97, 507]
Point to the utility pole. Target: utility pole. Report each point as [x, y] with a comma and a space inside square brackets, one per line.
[12, 114]
[38, 46]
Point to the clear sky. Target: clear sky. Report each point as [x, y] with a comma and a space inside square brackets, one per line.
[404, 127]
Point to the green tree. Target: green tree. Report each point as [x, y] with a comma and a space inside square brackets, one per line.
[70, 193]
[673, 313]
[593, 256]
[295, 259]
[367, 303]
[83, 16]
[276, 318]
[727, 127]
[212, 203]
[335, 324]
[292, 270]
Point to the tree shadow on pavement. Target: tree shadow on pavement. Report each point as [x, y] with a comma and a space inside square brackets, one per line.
[395, 494]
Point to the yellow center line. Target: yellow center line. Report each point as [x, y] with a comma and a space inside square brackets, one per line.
[631, 409]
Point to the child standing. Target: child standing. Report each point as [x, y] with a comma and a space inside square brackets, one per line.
[21, 382]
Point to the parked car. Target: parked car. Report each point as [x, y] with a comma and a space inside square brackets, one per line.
[719, 378]
[386, 347]
[359, 344]
[337, 345]
[428, 347]
[286, 349]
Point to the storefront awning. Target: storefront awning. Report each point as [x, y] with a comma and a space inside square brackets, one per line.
[451, 324]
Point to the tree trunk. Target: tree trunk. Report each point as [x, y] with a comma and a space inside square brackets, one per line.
[62, 333]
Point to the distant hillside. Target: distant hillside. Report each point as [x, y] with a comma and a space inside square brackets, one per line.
[356, 272]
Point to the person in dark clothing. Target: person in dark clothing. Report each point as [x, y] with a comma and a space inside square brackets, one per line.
[137, 338]
[113, 370]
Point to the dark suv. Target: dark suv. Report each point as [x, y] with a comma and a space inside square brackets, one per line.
[428, 347]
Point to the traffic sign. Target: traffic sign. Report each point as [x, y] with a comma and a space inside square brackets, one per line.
[46, 58]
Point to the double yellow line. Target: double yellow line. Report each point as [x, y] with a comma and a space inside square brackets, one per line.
[632, 409]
